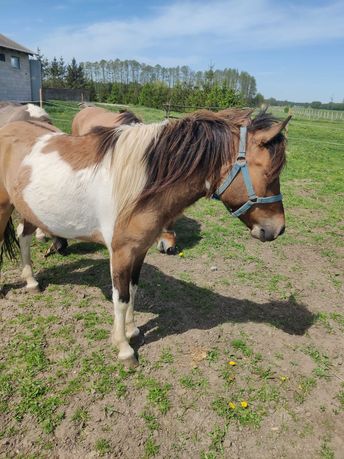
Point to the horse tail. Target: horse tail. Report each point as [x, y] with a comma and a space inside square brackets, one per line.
[10, 244]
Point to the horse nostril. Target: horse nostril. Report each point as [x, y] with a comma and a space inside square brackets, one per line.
[282, 230]
[262, 234]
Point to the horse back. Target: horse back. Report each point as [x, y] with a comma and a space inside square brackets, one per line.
[16, 141]
[90, 117]
[10, 112]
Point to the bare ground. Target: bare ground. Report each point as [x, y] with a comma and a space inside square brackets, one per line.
[197, 313]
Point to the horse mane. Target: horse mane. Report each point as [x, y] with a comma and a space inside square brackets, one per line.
[276, 146]
[149, 159]
[108, 136]
[201, 141]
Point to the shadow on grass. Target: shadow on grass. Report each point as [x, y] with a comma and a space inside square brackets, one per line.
[180, 305]
[187, 229]
[188, 232]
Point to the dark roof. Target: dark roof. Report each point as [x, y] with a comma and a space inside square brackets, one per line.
[10, 44]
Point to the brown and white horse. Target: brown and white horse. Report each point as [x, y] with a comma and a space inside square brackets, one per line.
[10, 111]
[119, 187]
[91, 117]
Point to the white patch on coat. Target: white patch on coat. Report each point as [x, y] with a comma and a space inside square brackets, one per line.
[37, 112]
[20, 229]
[207, 185]
[70, 203]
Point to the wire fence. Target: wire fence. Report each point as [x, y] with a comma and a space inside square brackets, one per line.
[311, 113]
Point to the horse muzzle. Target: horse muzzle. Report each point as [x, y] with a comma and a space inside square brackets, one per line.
[267, 233]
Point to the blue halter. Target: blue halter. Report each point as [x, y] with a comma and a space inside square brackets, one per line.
[241, 165]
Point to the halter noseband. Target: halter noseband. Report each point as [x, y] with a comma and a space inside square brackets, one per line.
[241, 165]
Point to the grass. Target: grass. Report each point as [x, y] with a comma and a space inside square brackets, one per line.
[57, 366]
[102, 447]
[151, 448]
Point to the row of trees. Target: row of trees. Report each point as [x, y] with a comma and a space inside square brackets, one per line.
[157, 93]
[57, 74]
[131, 71]
[129, 82]
[315, 104]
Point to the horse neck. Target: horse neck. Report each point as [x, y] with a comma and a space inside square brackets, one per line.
[173, 201]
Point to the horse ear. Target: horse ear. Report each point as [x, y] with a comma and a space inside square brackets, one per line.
[266, 135]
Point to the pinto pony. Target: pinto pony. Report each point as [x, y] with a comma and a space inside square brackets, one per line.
[120, 186]
[91, 117]
[10, 112]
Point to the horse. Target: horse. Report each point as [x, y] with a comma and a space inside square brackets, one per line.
[119, 187]
[10, 111]
[88, 118]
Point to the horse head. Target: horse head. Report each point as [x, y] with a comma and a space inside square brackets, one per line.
[250, 187]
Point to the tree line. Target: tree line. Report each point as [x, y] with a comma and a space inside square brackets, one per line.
[131, 82]
[315, 104]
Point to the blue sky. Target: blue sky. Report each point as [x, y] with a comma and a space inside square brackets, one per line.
[294, 48]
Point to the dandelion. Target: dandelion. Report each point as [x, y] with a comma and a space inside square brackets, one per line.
[181, 254]
[283, 378]
[244, 404]
[231, 405]
[232, 363]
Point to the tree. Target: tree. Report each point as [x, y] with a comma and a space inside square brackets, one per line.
[44, 64]
[75, 77]
[56, 74]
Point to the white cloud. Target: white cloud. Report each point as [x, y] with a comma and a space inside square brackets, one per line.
[192, 32]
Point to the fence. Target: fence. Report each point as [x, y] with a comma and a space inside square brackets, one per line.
[311, 113]
[66, 94]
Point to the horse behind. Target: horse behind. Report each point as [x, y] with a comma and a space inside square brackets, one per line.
[90, 117]
[120, 186]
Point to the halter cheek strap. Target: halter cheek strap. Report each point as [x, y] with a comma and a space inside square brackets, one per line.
[241, 165]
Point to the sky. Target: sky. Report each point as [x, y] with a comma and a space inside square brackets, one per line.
[294, 48]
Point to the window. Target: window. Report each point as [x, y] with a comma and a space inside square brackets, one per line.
[15, 63]
[2, 57]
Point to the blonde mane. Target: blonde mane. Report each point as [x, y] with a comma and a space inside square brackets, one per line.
[124, 148]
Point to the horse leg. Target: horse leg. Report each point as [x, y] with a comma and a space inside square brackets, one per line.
[59, 245]
[40, 235]
[131, 329]
[121, 267]
[6, 210]
[25, 231]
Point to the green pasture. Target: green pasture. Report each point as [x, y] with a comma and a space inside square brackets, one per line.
[244, 351]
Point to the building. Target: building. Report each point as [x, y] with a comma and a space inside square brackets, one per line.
[20, 76]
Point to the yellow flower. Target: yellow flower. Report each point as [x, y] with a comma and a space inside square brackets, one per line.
[231, 405]
[244, 404]
[283, 378]
[181, 254]
[232, 363]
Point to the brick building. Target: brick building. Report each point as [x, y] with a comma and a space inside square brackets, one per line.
[20, 76]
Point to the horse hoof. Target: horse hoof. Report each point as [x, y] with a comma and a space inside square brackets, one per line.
[33, 289]
[130, 362]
